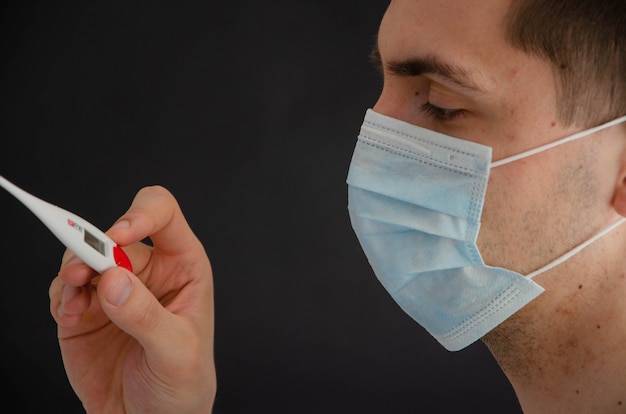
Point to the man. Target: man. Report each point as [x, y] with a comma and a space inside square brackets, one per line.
[509, 75]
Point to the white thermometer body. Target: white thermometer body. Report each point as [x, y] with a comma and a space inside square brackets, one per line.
[94, 247]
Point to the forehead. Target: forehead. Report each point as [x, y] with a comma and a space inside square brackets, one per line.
[468, 33]
[466, 20]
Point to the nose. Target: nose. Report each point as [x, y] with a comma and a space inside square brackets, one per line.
[403, 100]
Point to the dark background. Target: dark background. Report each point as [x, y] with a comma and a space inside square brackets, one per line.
[248, 112]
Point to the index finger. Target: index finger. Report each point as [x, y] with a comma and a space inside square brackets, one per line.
[155, 213]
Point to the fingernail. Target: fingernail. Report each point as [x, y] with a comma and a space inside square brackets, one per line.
[122, 224]
[119, 291]
[69, 293]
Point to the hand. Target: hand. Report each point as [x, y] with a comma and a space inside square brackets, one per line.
[143, 342]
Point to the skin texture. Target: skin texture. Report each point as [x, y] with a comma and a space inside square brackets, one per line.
[144, 343]
[566, 351]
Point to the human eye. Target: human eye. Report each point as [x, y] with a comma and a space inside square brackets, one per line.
[441, 114]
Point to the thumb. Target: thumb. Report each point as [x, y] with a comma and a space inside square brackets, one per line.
[131, 306]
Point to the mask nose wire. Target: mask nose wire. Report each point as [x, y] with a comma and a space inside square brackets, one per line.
[545, 147]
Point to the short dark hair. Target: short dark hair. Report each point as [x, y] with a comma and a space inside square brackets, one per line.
[585, 41]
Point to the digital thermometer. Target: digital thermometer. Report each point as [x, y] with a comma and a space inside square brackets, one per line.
[94, 247]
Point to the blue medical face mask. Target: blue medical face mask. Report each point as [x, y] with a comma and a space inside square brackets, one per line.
[415, 199]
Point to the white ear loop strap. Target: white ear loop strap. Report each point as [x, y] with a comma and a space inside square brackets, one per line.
[533, 151]
[577, 249]
[574, 137]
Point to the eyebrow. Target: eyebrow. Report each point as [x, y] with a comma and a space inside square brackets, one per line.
[428, 64]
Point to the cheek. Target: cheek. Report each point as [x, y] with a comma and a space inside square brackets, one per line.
[538, 209]
[509, 216]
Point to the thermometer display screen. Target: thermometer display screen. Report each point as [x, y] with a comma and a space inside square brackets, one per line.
[95, 242]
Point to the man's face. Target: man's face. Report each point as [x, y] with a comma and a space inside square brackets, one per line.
[447, 67]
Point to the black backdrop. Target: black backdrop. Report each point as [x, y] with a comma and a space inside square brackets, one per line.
[248, 112]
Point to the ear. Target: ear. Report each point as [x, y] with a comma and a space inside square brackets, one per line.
[619, 198]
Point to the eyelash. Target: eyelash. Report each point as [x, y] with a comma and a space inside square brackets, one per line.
[441, 114]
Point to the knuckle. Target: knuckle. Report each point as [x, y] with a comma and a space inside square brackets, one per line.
[146, 316]
[54, 290]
